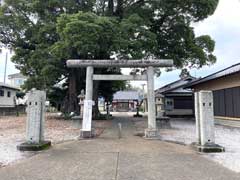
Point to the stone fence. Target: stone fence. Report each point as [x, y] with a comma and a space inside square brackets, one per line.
[10, 111]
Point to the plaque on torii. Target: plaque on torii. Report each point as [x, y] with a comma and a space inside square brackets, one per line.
[151, 130]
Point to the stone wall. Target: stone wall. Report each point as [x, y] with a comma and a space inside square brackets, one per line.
[9, 111]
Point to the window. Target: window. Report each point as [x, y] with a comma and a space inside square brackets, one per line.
[169, 103]
[1, 92]
[8, 94]
[185, 102]
[18, 82]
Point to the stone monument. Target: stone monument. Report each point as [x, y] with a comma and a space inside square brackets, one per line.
[35, 122]
[205, 123]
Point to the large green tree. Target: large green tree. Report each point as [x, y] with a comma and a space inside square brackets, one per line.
[45, 33]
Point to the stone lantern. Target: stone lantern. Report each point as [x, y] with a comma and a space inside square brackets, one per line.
[81, 103]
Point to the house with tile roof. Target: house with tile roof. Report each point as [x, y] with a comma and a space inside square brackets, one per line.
[174, 100]
[125, 101]
[225, 85]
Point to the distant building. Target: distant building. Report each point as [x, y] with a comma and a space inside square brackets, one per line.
[7, 95]
[124, 101]
[225, 85]
[173, 100]
[17, 79]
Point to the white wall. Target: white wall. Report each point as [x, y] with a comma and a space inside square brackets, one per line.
[6, 101]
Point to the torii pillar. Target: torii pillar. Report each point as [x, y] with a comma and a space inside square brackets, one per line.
[151, 131]
[87, 130]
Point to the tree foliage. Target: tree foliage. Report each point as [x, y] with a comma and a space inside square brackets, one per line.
[44, 34]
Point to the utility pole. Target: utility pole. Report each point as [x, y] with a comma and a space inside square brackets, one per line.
[5, 70]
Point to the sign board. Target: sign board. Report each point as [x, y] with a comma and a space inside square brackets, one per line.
[87, 115]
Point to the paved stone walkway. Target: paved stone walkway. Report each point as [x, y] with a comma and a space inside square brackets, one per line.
[110, 158]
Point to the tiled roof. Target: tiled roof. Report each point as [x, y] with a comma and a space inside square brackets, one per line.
[16, 75]
[174, 86]
[126, 95]
[8, 86]
[222, 73]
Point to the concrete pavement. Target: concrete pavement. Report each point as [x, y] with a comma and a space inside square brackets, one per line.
[110, 158]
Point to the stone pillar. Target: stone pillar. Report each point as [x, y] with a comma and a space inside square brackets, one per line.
[151, 131]
[35, 122]
[86, 131]
[196, 104]
[206, 118]
[89, 83]
[35, 118]
[205, 123]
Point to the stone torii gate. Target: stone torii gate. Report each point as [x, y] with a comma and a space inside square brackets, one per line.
[151, 130]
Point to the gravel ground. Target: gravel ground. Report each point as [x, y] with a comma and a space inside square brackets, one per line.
[12, 133]
[183, 131]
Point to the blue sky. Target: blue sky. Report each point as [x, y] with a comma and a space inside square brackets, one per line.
[223, 27]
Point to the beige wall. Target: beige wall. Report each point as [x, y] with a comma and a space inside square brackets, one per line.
[221, 83]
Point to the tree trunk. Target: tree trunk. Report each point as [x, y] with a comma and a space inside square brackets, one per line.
[110, 7]
[108, 110]
[119, 10]
[96, 111]
[70, 101]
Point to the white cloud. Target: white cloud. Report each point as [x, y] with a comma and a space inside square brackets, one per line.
[224, 28]
[226, 16]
